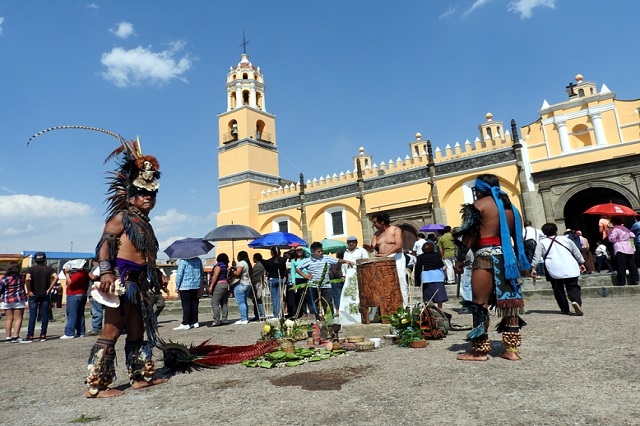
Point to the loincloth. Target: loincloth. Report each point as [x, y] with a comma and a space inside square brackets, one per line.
[507, 293]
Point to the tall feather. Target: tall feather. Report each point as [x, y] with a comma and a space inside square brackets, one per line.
[118, 180]
[97, 129]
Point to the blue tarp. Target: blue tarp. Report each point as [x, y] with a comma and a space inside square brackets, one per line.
[61, 254]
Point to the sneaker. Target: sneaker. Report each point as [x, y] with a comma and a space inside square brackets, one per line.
[577, 308]
[182, 327]
[241, 322]
[93, 333]
[215, 324]
[64, 336]
[28, 339]
[7, 340]
[43, 337]
[196, 325]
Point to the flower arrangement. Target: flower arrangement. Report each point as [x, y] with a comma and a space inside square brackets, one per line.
[280, 328]
[406, 323]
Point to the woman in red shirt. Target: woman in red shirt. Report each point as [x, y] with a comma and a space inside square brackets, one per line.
[77, 285]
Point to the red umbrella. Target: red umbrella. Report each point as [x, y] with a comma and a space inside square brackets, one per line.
[611, 209]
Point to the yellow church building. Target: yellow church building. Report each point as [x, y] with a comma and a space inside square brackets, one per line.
[580, 151]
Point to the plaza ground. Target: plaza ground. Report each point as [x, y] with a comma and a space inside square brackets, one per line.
[576, 370]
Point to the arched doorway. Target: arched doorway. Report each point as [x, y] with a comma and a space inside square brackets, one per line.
[581, 201]
[409, 236]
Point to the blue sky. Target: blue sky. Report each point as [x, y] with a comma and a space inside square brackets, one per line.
[339, 75]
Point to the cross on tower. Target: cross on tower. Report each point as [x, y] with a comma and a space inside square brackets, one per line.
[570, 90]
[244, 44]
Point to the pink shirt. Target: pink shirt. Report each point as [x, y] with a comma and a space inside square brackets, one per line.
[619, 236]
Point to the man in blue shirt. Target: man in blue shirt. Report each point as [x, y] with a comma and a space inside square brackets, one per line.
[316, 270]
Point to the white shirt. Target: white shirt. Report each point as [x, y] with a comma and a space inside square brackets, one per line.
[417, 247]
[357, 253]
[562, 260]
[531, 233]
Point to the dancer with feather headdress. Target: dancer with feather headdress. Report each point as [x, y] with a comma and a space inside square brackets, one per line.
[128, 249]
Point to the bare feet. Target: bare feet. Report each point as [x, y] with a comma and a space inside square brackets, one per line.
[473, 356]
[139, 384]
[104, 393]
[511, 355]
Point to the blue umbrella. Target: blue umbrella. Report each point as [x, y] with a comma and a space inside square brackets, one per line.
[432, 227]
[277, 239]
[188, 248]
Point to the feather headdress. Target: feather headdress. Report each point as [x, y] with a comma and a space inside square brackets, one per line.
[135, 172]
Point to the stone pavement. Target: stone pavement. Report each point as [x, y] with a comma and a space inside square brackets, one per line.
[576, 370]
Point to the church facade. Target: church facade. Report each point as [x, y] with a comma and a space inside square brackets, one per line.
[581, 151]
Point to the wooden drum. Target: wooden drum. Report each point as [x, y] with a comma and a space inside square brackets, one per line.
[379, 286]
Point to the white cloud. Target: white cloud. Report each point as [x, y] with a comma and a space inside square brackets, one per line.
[36, 206]
[9, 190]
[172, 219]
[34, 222]
[137, 66]
[525, 7]
[1, 22]
[448, 13]
[476, 5]
[124, 29]
[93, 6]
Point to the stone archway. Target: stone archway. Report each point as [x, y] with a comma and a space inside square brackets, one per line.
[409, 236]
[581, 201]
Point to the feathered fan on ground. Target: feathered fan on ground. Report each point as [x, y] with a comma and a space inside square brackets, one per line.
[179, 358]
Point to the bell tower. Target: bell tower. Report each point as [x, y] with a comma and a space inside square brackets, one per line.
[247, 151]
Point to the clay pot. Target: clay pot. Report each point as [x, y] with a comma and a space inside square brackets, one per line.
[418, 344]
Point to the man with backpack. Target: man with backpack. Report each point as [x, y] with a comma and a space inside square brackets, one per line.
[563, 264]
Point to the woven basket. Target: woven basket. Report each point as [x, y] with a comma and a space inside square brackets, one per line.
[355, 339]
[364, 346]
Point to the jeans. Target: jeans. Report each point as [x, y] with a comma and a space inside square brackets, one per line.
[96, 315]
[75, 315]
[276, 297]
[240, 291]
[38, 303]
[323, 296]
[336, 292]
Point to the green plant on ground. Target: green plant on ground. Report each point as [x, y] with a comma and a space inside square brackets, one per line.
[406, 323]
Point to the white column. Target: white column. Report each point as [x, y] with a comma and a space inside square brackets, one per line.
[238, 95]
[565, 145]
[596, 119]
[252, 96]
[228, 99]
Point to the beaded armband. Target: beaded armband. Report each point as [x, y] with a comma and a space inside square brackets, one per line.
[105, 267]
[112, 242]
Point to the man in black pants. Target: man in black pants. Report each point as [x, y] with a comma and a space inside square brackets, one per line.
[40, 280]
[564, 264]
